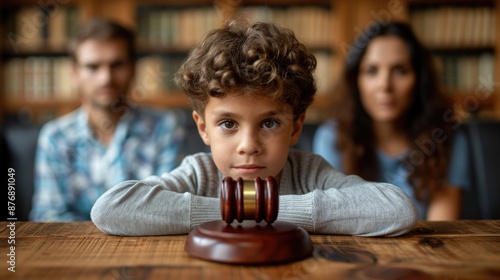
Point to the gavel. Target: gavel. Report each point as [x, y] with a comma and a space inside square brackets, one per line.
[249, 200]
[249, 242]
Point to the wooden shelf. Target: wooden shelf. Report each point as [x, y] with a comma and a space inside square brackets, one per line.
[234, 3]
[43, 49]
[162, 49]
[461, 50]
[16, 104]
[168, 100]
[418, 3]
[470, 99]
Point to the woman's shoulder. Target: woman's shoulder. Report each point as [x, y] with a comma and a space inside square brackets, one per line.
[329, 126]
[324, 143]
[325, 134]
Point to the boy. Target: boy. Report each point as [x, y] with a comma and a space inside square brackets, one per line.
[250, 88]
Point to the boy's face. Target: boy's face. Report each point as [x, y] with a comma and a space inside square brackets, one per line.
[249, 136]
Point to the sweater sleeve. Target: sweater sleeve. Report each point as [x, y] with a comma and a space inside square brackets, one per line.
[171, 204]
[329, 202]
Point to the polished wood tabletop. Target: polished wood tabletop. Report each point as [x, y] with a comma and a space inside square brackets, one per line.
[78, 250]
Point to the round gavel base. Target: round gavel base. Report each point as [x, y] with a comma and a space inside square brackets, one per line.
[249, 242]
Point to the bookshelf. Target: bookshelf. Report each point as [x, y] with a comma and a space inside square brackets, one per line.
[462, 35]
[168, 29]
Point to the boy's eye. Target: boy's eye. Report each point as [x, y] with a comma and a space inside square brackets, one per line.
[270, 123]
[227, 124]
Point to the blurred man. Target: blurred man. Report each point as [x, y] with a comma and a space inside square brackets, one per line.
[105, 141]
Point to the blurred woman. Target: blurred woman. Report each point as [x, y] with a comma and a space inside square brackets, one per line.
[392, 124]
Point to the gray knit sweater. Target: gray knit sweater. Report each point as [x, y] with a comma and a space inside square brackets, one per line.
[313, 195]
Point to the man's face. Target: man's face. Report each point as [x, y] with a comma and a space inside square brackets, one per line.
[103, 72]
[249, 136]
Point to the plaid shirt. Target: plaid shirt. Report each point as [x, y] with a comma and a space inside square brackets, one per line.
[73, 168]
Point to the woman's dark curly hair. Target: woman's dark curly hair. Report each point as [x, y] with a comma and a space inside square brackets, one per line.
[355, 134]
[263, 59]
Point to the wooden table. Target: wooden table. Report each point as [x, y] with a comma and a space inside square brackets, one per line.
[78, 250]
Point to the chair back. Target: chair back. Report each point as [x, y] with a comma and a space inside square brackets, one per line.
[484, 145]
[19, 153]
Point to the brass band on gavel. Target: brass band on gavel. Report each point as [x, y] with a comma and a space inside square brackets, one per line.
[249, 200]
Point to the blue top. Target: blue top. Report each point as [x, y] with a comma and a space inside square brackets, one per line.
[394, 169]
[73, 168]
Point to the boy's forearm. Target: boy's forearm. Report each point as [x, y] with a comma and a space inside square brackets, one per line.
[138, 208]
[369, 209]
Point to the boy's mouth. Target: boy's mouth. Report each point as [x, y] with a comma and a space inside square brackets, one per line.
[249, 169]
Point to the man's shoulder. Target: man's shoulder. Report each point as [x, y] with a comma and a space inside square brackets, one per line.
[65, 123]
[152, 122]
[158, 115]
[62, 132]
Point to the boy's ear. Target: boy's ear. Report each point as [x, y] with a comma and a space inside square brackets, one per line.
[202, 127]
[297, 129]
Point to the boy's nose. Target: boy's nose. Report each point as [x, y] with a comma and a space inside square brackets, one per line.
[249, 144]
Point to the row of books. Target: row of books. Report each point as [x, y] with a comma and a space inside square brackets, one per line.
[155, 75]
[180, 28]
[455, 27]
[38, 78]
[467, 73]
[30, 27]
[45, 78]
[313, 25]
[183, 28]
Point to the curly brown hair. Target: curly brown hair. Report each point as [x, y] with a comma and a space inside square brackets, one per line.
[262, 58]
[426, 115]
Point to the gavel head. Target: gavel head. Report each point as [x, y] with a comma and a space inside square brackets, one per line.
[249, 200]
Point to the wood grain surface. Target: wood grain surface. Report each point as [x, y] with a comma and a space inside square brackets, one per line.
[78, 250]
